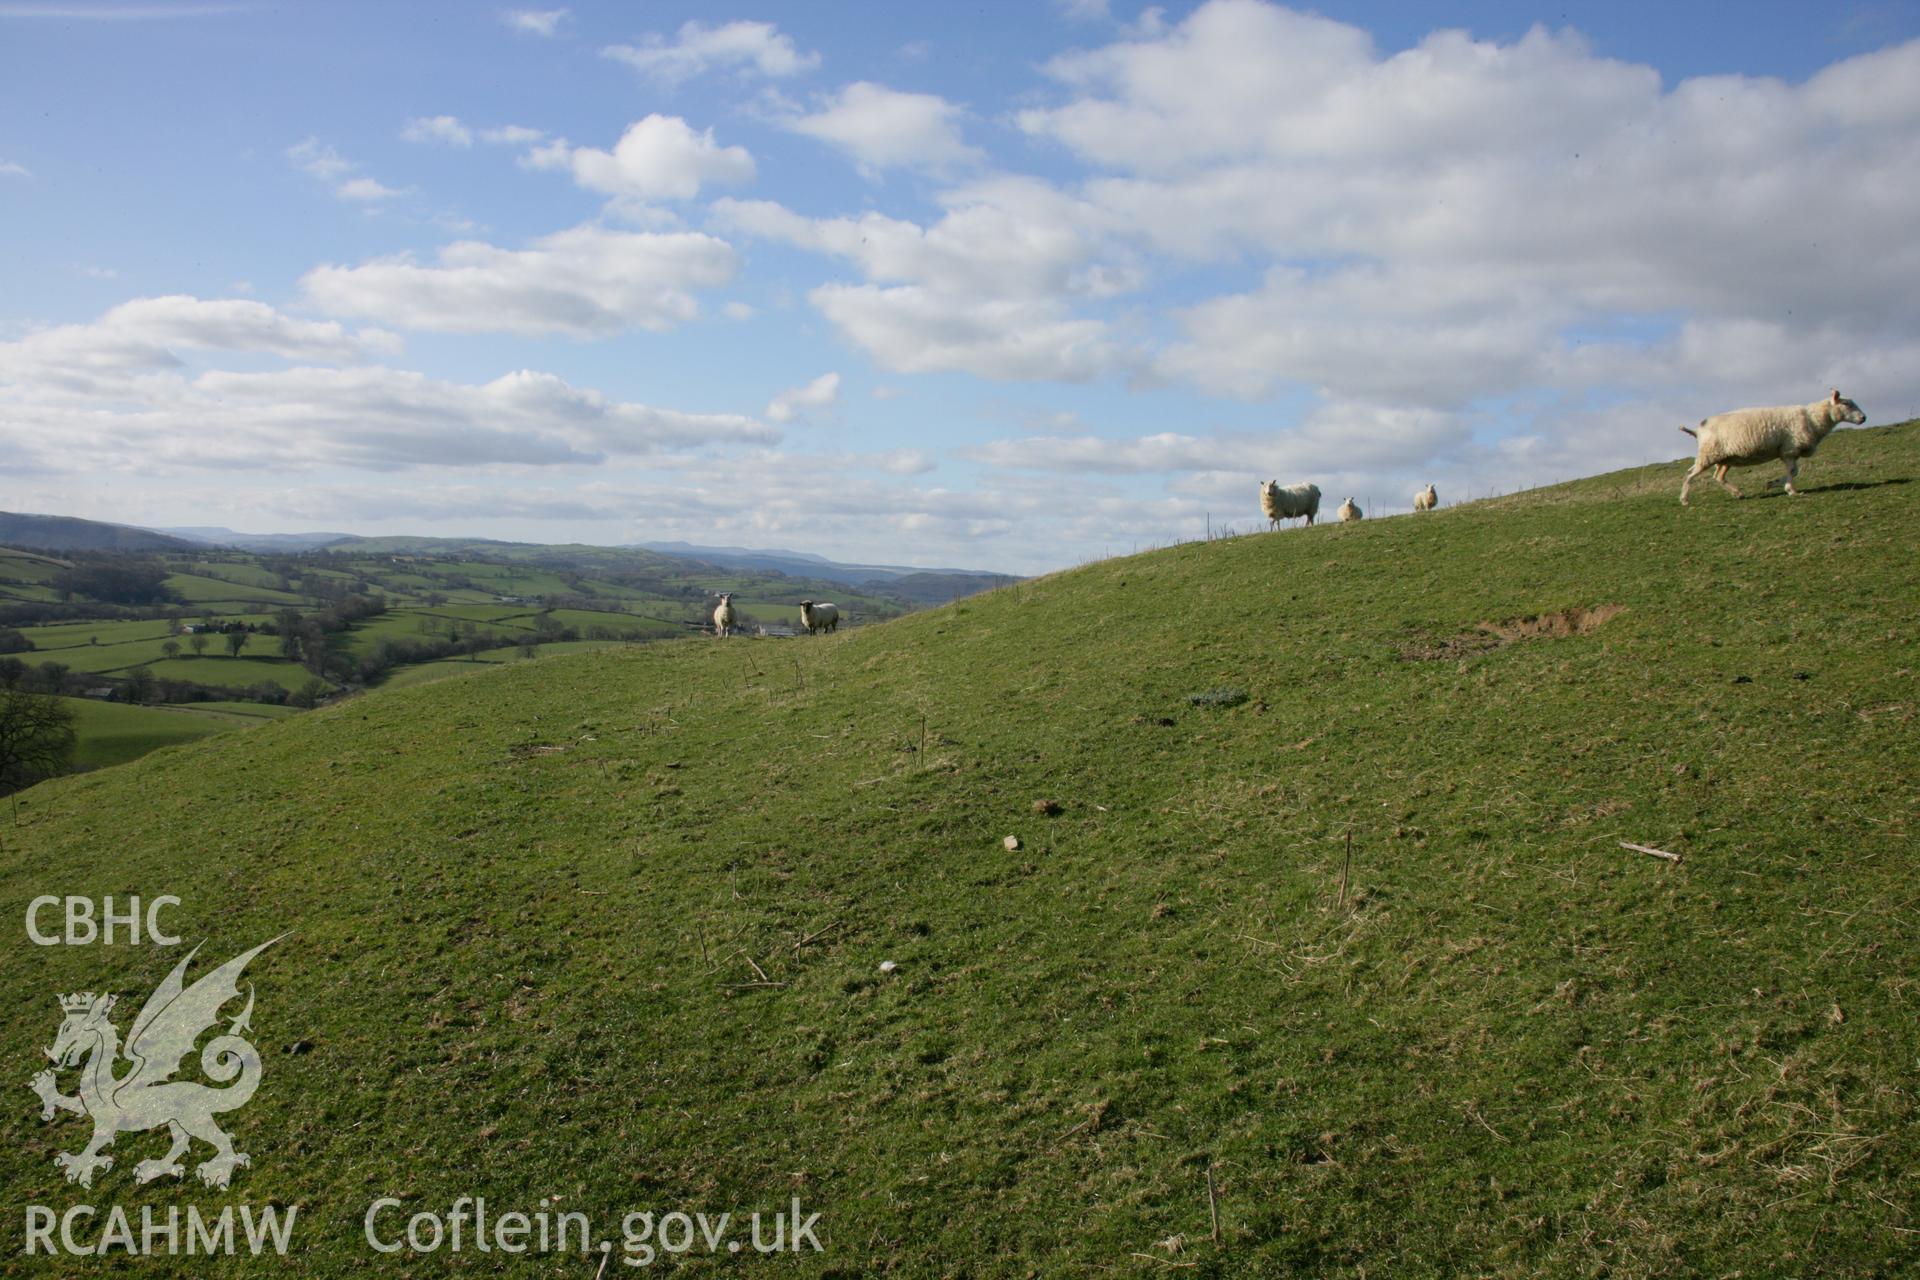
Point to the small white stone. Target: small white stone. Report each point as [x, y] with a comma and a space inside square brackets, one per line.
[888, 966]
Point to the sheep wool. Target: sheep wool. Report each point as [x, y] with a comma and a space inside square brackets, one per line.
[1747, 436]
[723, 615]
[1426, 499]
[1349, 512]
[1279, 503]
[819, 617]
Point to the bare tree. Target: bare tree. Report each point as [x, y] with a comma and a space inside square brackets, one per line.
[236, 641]
[36, 738]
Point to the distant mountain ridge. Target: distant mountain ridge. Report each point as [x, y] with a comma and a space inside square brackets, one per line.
[221, 537]
[70, 533]
[806, 564]
[916, 585]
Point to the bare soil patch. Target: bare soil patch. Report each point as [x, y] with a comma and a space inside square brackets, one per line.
[1488, 636]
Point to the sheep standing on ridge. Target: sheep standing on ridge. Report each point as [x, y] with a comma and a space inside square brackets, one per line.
[1349, 512]
[1286, 503]
[1747, 436]
[723, 615]
[819, 617]
[1426, 499]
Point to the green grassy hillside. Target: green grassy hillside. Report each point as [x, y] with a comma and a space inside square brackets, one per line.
[609, 927]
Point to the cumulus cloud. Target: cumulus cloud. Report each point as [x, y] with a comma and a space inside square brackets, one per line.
[535, 22]
[884, 128]
[151, 387]
[8, 169]
[318, 159]
[322, 161]
[365, 190]
[1487, 213]
[742, 46]
[822, 393]
[512, 135]
[147, 336]
[1083, 10]
[658, 158]
[988, 289]
[370, 418]
[587, 281]
[442, 129]
[913, 329]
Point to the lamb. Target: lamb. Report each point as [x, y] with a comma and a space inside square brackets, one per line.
[1745, 437]
[1286, 503]
[723, 615]
[1349, 512]
[1426, 499]
[819, 617]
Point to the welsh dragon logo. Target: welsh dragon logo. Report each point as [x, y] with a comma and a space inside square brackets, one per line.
[143, 1097]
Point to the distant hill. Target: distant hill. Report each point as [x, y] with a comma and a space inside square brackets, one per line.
[926, 586]
[69, 533]
[936, 587]
[219, 537]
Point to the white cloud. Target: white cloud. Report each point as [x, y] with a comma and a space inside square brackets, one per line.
[318, 159]
[883, 128]
[8, 169]
[535, 22]
[442, 129]
[1084, 10]
[512, 135]
[1167, 451]
[912, 329]
[658, 158]
[369, 418]
[587, 281]
[822, 393]
[1467, 219]
[323, 162]
[146, 336]
[988, 289]
[365, 190]
[756, 46]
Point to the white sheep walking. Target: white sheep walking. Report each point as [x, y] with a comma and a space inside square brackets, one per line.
[819, 617]
[1286, 503]
[723, 615]
[1349, 512]
[1745, 437]
[1426, 499]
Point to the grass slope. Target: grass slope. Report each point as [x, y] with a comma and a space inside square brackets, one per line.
[114, 733]
[609, 927]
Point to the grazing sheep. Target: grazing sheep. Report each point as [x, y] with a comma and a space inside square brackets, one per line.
[1426, 499]
[1349, 512]
[819, 617]
[1286, 503]
[1748, 436]
[723, 615]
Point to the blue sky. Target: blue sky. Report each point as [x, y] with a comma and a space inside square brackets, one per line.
[1007, 286]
